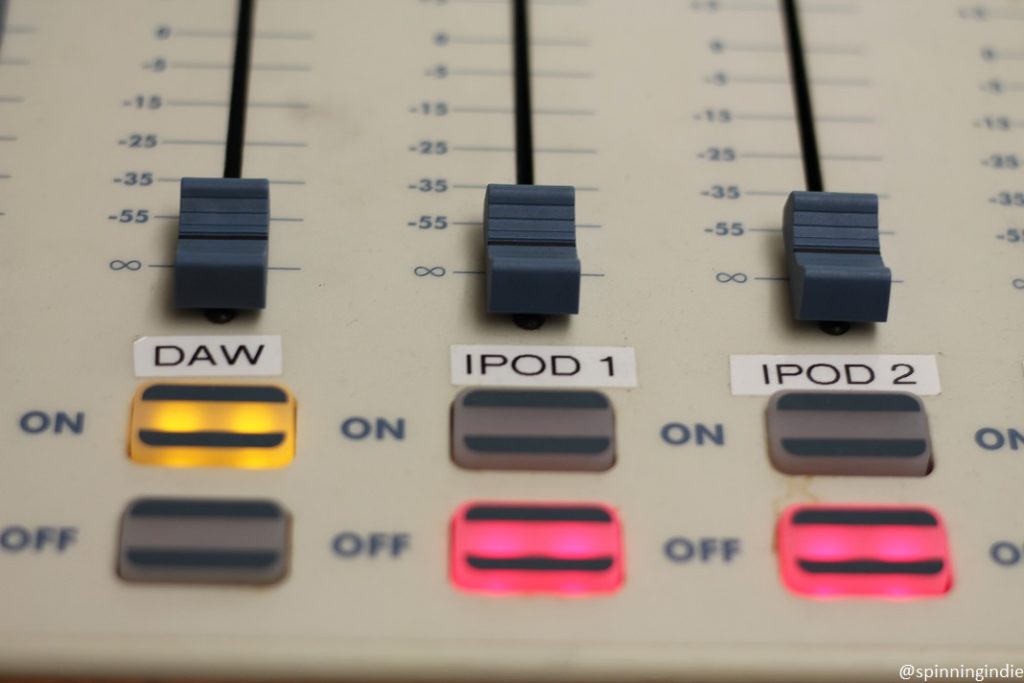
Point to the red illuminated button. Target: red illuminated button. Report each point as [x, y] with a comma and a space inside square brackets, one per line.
[888, 552]
[536, 548]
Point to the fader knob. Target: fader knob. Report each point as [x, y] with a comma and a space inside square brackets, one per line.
[530, 233]
[836, 272]
[221, 260]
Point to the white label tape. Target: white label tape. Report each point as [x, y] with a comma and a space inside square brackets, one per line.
[209, 356]
[544, 366]
[764, 375]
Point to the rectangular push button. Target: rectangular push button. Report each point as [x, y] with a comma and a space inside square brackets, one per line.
[190, 540]
[849, 433]
[536, 548]
[533, 430]
[213, 425]
[887, 552]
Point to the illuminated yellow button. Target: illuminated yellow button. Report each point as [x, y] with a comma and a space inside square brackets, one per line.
[213, 425]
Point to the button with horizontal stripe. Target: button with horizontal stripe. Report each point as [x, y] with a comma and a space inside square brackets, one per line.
[849, 433]
[213, 425]
[202, 540]
[832, 551]
[503, 429]
[563, 549]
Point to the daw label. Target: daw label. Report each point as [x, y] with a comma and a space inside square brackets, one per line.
[208, 356]
[763, 375]
[544, 366]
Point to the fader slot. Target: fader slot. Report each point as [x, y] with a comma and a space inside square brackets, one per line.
[522, 97]
[803, 106]
[239, 104]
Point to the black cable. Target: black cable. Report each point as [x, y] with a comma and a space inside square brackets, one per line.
[239, 90]
[802, 98]
[521, 80]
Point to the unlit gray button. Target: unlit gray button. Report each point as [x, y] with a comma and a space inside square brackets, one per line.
[192, 540]
[848, 433]
[533, 430]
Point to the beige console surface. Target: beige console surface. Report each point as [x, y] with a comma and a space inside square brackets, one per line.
[378, 124]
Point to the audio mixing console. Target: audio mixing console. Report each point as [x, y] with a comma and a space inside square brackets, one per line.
[468, 340]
